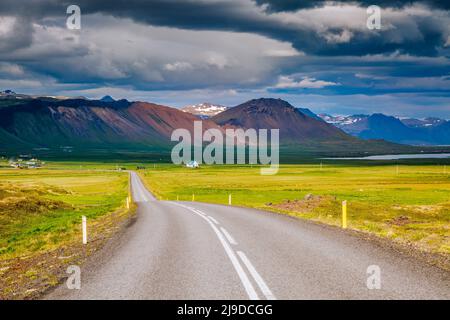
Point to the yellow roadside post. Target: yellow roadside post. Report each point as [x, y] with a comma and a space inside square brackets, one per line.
[193, 197]
[129, 200]
[344, 214]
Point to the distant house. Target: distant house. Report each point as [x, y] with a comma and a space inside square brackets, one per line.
[33, 164]
[14, 164]
[192, 164]
[26, 164]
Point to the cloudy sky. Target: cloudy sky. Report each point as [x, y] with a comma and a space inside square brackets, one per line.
[315, 54]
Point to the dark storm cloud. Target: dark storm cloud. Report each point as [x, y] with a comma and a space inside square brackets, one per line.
[249, 48]
[293, 5]
[20, 36]
[246, 16]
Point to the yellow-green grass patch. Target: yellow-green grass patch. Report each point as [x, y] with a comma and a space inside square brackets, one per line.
[410, 204]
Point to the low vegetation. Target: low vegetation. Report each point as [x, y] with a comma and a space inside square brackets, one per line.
[409, 204]
[40, 223]
[41, 209]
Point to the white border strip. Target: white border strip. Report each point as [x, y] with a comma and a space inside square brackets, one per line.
[251, 292]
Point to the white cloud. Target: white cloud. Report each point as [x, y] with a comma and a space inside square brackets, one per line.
[217, 60]
[369, 76]
[6, 25]
[287, 82]
[290, 52]
[339, 23]
[122, 51]
[178, 66]
[342, 37]
[11, 69]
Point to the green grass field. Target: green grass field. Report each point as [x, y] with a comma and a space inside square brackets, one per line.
[41, 208]
[40, 221]
[410, 205]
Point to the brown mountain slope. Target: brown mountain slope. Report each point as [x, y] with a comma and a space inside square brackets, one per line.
[295, 127]
[299, 133]
[92, 124]
[165, 120]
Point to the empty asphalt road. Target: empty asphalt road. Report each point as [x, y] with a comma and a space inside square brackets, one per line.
[189, 250]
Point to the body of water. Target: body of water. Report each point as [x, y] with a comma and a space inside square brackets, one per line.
[399, 156]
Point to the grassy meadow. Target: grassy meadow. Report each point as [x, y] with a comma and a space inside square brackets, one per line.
[406, 203]
[41, 209]
[40, 220]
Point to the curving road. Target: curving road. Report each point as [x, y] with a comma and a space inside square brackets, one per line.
[188, 250]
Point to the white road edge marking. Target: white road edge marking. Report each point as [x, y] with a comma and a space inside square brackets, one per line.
[228, 236]
[251, 292]
[259, 280]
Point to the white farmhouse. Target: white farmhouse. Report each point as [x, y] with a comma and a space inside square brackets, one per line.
[192, 164]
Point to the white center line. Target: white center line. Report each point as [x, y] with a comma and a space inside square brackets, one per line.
[251, 292]
[213, 220]
[259, 280]
[197, 211]
[228, 236]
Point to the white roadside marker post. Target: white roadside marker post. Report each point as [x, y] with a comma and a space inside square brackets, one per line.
[84, 227]
[128, 202]
[229, 199]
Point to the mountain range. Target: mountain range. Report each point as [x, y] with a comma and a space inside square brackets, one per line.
[411, 131]
[32, 124]
[48, 123]
[428, 131]
[295, 126]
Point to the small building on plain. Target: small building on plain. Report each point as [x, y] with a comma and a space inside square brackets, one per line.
[192, 164]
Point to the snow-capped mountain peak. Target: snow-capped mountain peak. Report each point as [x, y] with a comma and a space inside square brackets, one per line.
[205, 109]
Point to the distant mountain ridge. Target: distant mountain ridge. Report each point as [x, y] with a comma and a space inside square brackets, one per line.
[107, 99]
[48, 123]
[268, 113]
[423, 123]
[428, 131]
[90, 124]
[298, 131]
